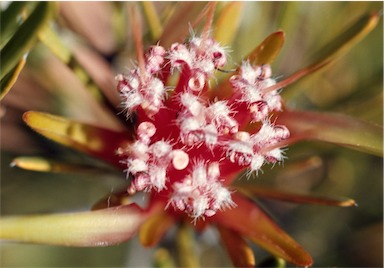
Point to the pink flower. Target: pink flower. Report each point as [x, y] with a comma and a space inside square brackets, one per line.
[188, 142]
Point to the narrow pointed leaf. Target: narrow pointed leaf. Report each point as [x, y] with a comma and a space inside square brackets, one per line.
[334, 50]
[41, 164]
[52, 40]
[98, 142]
[251, 222]
[186, 248]
[24, 38]
[163, 259]
[177, 27]
[96, 28]
[268, 50]
[12, 17]
[257, 191]
[227, 23]
[83, 229]
[334, 128]
[239, 251]
[97, 79]
[10, 78]
[351, 36]
[153, 230]
[153, 19]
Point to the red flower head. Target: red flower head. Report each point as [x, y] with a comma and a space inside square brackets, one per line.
[187, 141]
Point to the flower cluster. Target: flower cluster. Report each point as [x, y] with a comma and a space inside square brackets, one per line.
[188, 142]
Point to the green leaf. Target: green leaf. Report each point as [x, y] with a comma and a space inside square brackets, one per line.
[40, 164]
[163, 259]
[350, 37]
[252, 223]
[153, 19]
[268, 50]
[13, 16]
[10, 79]
[98, 142]
[227, 23]
[24, 38]
[334, 50]
[177, 27]
[334, 128]
[83, 229]
[252, 190]
[52, 41]
[186, 248]
[55, 44]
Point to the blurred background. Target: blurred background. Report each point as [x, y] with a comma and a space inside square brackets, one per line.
[98, 35]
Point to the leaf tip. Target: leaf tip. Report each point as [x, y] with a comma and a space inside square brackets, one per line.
[26, 116]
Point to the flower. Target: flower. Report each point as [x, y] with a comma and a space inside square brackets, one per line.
[187, 142]
[184, 146]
